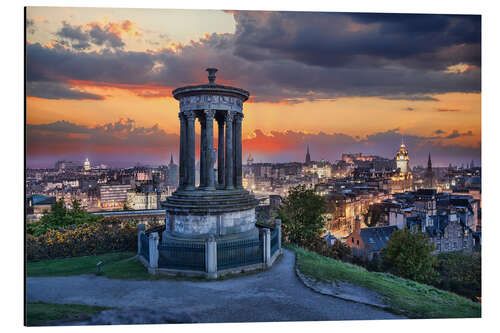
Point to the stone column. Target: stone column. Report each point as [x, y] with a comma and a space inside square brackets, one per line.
[229, 166]
[141, 228]
[190, 151]
[182, 150]
[237, 151]
[220, 152]
[209, 150]
[153, 251]
[203, 150]
[211, 257]
[267, 246]
[278, 226]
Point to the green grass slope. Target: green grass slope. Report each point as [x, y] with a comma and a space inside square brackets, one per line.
[407, 297]
[40, 313]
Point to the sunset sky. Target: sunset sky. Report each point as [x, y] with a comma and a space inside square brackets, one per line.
[99, 83]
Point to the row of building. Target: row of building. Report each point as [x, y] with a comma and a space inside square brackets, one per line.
[452, 222]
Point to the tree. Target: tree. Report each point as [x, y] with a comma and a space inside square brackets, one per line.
[460, 272]
[301, 214]
[408, 254]
[61, 217]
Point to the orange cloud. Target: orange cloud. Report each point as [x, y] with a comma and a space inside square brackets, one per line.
[448, 109]
[117, 28]
[141, 90]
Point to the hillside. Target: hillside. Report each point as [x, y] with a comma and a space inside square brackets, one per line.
[403, 296]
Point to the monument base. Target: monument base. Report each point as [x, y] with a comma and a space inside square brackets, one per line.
[199, 214]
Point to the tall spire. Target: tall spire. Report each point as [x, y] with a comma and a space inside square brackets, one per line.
[429, 162]
[308, 156]
[171, 159]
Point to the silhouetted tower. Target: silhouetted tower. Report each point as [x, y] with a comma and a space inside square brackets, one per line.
[308, 156]
[429, 174]
[173, 173]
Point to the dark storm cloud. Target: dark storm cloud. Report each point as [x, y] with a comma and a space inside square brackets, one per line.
[338, 39]
[101, 36]
[62, 64]
[74, 33]
[82, 38]
[117, 135]
[292, 57]
[54, 90]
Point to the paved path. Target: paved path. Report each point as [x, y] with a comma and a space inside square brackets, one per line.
[273, 295]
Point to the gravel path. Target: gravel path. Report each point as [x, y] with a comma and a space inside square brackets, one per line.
[273, 295]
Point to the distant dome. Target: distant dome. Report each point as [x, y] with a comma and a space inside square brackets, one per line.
[402, 153]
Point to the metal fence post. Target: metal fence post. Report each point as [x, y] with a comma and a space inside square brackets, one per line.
[267, 246]
[278, 226]
[211, 257]
[140, 230]
[153, 250]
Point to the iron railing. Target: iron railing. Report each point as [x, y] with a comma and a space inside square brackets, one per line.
[274, 241]
[182, 256]
[239, 253]
[145, 246]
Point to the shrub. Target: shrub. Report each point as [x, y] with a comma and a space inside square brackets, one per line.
[460, 272]
[339, 250]
[61, 217]
[106, 235]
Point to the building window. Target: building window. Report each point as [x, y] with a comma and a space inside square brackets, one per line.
[357, 242]
[352, 240]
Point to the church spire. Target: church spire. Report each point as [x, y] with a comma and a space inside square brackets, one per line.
[429, 162]
[308, 156]
[171, 159]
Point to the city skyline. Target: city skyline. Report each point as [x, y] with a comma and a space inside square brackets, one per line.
[323, 84]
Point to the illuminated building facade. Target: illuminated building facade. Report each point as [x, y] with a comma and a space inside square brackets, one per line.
[402, 159]
[402, 180]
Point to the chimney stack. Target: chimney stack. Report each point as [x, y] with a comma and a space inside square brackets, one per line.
[357, 225]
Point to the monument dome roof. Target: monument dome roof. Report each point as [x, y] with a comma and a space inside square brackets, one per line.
[211, 89]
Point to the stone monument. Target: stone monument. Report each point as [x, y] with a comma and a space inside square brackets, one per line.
[219, 207]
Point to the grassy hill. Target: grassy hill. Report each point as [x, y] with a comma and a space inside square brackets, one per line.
[407, 297]
[39, 313]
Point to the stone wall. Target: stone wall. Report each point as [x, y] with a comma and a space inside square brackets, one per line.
[218, 225]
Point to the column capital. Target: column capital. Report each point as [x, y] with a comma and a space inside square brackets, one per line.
[209, 114]
[238, 116]
[229, 115]
[190, 114]
[181, 116]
